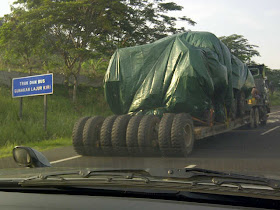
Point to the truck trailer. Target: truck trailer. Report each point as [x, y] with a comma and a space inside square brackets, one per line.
[168, 94]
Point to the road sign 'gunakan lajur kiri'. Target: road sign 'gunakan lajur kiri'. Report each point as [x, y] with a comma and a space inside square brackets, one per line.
[33, 85]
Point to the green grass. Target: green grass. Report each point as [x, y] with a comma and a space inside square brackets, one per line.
[6, 151]
[62, 114]
[275, 99]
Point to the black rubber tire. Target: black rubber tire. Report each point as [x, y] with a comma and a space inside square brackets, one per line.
[91, 136]
[164, 135]
[148, 135]
[252, 119]
[132, 135]
[119, 135]
[105, 135]
[257, 117]
[77, 136]
[241, 101]
[264, 116]
[182, 134]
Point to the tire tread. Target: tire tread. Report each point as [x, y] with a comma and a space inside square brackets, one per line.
[119, 135]
[91, 136]
[77, 136]
[105, 135]
[180, 149]
[132, 135]
[164, 134]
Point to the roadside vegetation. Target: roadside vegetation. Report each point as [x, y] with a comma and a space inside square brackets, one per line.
[62, 114]
[6, 150]
[66, 35]
[275, 98]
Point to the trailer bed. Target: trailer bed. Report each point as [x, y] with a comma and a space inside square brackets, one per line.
[201, 132]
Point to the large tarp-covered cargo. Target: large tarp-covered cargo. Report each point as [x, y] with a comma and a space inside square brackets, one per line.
[189, 72]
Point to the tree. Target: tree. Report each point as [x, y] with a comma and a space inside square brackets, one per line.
[146, 21]
[81, 30]
[240, 47]
[17, 43]
[97, 67]
[273, 76]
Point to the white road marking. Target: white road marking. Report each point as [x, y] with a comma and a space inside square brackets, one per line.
[190, 166]
[272, 129]
[273, 112]
[65, 159]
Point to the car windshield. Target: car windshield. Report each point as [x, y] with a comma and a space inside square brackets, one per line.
[125, 84]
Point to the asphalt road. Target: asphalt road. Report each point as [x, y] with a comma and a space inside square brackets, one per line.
[255, 151]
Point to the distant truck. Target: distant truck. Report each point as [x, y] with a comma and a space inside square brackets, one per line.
[167, 94]
[262, 98]
[255, 108]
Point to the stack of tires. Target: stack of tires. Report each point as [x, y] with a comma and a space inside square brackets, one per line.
[140, 135]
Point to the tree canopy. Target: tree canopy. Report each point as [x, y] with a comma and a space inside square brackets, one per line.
[106, 25]
[79, 30]
[240, 47]
[17, 40]
[273, 76]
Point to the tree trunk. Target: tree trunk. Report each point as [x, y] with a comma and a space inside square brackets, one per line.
[29, 66]
[75, 88]
[30, 71]
[76, 82]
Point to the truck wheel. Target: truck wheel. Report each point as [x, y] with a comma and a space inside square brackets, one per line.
[148, 135]
[77, 136]
[91, 136]
[105, 135]
[182, 134]
[119, 135]
[252, 118]
[257, 117]
[264, 116]
[241, 101]
[131, 135]
[164, 134]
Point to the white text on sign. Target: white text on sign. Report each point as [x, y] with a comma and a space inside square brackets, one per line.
[32, 82]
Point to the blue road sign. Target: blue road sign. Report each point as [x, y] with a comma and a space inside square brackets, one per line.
[33, 85]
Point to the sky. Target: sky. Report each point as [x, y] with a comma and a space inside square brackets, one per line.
[258, 21]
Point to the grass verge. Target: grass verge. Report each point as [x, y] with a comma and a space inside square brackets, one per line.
[275, 99]
[6, 150]
[62, 114]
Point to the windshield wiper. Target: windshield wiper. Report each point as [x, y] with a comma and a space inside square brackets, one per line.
[193, 176]
[198, 175]
[108, 174]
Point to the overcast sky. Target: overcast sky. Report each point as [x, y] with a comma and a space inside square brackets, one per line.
[258, 21]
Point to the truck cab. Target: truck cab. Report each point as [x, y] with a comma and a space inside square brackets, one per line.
[260, 93]
[261, 82]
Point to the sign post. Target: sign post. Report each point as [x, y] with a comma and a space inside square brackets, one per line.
[33, 86]
[45, 111]
[20, 108]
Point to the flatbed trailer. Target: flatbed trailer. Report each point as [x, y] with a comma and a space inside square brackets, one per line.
[201, 132]
[172, 134]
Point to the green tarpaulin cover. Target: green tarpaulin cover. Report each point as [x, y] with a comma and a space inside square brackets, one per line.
[188, 72]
